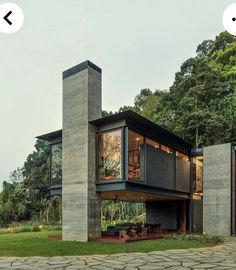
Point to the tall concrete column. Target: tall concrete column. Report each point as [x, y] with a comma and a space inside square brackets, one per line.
[81, 103]
[217, 192]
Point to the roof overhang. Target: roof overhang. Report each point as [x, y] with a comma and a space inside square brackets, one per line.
[147, 128]
[52, 137]
[121, 190]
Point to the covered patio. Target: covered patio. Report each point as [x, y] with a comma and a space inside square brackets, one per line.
[163, 215]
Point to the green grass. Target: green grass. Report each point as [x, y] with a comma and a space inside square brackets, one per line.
[38, 244]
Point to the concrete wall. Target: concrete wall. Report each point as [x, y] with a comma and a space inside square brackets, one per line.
[217, 189]
[81, 103]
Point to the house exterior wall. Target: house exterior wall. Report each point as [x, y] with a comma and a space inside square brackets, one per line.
[217, 189]
[80, 202]
[197, 216]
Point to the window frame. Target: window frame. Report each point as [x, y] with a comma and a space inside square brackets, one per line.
[98, 180]
[141, 180]
[51, 153]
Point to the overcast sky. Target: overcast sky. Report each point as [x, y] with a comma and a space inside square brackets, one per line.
[137, 43]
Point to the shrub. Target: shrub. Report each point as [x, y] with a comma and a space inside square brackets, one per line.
[29, 226]
[197, 237]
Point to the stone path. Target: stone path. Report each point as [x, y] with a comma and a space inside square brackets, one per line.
[219, 257]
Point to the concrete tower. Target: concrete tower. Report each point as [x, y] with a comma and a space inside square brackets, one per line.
[81, 104]
[218, 190]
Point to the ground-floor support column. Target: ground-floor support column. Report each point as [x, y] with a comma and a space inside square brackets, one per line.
[196, 216]
[183, 217]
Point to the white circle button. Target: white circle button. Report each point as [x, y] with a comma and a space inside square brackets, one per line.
[229, 19]
[11, 18]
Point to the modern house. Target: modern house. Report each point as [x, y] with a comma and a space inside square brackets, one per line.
[127, 157]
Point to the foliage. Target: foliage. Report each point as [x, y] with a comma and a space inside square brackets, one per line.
[56, 164]
[197, 237]
[29, 227]
[201, 101]
[116, 213]
[14, 200]
[25, 196]
[39, 244]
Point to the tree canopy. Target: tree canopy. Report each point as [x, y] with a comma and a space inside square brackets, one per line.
[200, 105]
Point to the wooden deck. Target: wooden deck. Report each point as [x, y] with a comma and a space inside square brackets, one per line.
[118, 240]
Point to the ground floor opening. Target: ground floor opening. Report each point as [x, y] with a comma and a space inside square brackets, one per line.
[130, 216]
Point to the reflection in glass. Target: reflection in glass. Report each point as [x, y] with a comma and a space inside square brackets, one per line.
[181, 155]
[166, 149]
[153, 143]
[197, 174]
[109, 161]
[56, 164]
[135, 150]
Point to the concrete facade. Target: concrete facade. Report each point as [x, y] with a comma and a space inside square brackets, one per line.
[81, 103]
[217, 203]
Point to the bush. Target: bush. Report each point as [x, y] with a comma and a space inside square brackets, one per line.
[197, 237]
[29, 227]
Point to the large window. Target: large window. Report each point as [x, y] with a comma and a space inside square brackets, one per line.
[56, 164]
[153, 143]
[197, 174]
[182, 156]
[109, 159]
[136, 152]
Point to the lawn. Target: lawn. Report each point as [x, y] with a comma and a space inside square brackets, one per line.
[38, 244]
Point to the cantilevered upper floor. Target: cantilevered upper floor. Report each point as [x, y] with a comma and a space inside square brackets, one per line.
[136, 160]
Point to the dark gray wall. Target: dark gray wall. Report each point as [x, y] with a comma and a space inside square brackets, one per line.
[162, 212]
[163, 171]
[197, 221]
[182, 175]
[160, 170]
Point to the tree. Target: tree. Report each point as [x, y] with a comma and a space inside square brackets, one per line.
[141, 98]
[14, 203]
[200, 105]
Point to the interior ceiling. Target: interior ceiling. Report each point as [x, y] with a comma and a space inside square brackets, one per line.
[122, 195]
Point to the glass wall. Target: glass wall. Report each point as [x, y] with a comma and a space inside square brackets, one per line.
[56, 164]
[197, 174]
[109, 156]
[110, 160]
[181, 155]
[153, 143]
[157, 145]
[135, 151]
[166, 149]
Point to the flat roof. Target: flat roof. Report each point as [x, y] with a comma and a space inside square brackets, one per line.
[148, 127]
[80, 67]
[51, 136]
[144, 124]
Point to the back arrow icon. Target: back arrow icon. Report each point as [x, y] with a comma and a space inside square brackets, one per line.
[6, 17]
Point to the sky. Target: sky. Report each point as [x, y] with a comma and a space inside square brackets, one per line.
[137, 43]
